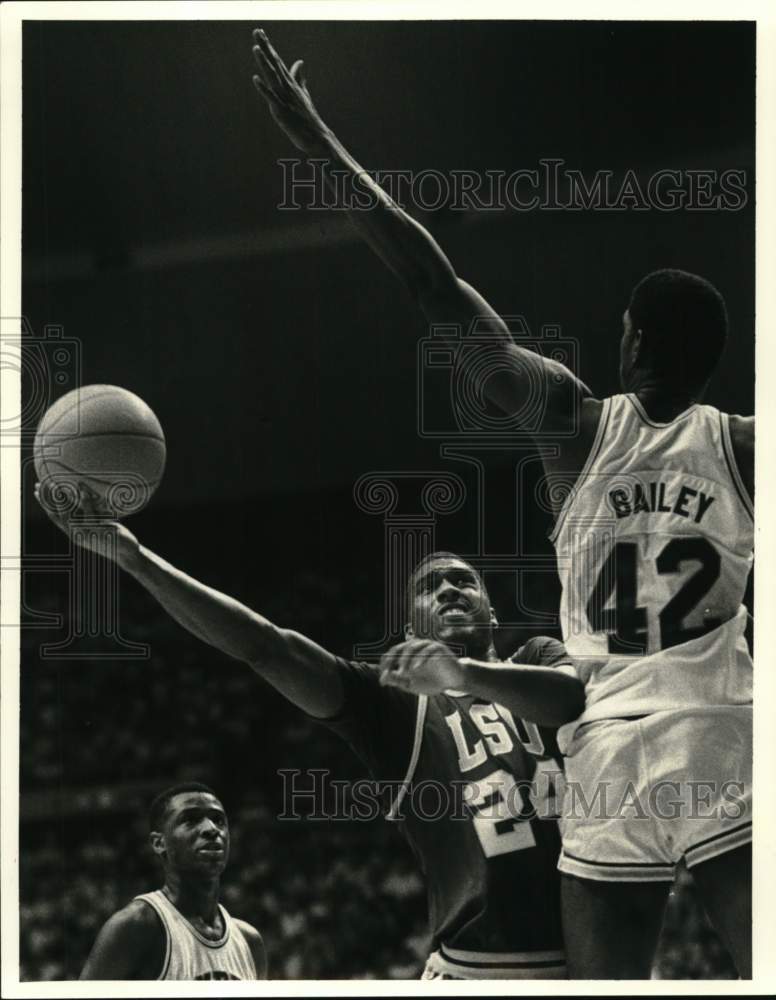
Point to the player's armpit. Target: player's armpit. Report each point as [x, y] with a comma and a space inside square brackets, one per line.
[130, 945]
[518, 379]
[255, 942]
[302, 671]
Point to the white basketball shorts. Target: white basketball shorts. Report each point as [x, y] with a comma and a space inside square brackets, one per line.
[641, 794]
[452, 963]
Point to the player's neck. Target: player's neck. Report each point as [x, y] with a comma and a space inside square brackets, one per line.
[193, 897]
[483, 653]
[662, 402]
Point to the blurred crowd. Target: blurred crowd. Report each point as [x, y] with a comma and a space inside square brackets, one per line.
[100, 737]
[331, 901]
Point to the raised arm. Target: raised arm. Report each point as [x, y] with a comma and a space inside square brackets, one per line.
[297, 667]
[411, 253]
[547, 696]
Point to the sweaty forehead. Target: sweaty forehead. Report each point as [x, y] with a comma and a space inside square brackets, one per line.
[436, 566]
[192, 800]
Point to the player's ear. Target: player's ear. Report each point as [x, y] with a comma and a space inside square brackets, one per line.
[638, 348]
[493, 619]
[158, 845]
[409, 631]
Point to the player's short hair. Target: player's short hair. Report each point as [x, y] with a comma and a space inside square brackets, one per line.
[684, 323]
[158, 808]
[430, 558]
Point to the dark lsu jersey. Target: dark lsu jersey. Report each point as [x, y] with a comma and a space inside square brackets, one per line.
[474, 794]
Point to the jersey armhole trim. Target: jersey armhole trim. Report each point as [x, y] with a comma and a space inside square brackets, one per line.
[149, 899]
[167, 952]
[730, 458]
[592, 456]
[420, 719]
[237, 934]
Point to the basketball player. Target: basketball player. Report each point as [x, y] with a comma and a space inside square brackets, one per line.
[181, 931]
[654, 542]
[472, 786]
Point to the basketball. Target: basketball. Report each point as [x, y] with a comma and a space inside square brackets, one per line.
[101, 441]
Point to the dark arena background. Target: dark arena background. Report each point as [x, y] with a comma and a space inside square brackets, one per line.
[282, 360]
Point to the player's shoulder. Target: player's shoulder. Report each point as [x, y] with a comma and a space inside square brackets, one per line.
[741, 430]
[742, 441]
[137, 920]
[360, 676]
[541, 651]
[366, 677]
[590, 412]
[247, 930]
[255, 942]
[131, 945]
[565, 457]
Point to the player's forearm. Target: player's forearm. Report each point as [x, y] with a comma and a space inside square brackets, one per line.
[214, 617]
[542, 695]
[405, 246]
[294, 665]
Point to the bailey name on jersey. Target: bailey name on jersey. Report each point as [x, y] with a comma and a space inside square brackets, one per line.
[660, 498]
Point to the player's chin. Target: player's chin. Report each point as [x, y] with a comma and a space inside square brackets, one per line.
[455, 633]
[213, 862]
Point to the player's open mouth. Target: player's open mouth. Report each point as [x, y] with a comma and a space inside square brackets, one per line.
[454, 611]
[214, 850]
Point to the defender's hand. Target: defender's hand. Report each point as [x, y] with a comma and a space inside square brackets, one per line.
[90, 526]
[421, 666]
[288, 98]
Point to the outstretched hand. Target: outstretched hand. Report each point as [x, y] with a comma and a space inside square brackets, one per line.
[421, 666]
[288, 98]
[89, 524]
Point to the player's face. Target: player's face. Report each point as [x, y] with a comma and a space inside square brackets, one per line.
[450, 604]
[196, 834]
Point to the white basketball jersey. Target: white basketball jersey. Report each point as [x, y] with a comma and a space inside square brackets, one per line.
[189, 955]
[654, 548]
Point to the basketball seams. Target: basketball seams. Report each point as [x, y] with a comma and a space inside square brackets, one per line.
[56, 451]
[111, 443]
[81, 401]
[97, 434]
[83, 476]
[77, 402]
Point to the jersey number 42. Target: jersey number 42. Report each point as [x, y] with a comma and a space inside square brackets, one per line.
[625, 621]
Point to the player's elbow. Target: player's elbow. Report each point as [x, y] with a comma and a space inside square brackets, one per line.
[437, 292]
[434, 287]
[571, 699]
[562, 700]
[263, 644]
[272, 649]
